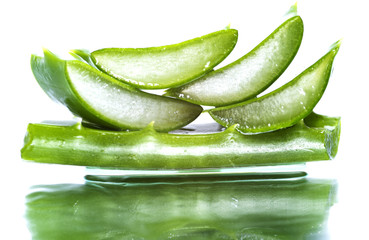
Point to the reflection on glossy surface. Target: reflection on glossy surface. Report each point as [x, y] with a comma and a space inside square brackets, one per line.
[196, 208]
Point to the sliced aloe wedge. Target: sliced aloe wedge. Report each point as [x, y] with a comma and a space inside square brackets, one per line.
[148, 149]
[105, 101]
[284, 106]
[166, 66]
[249, 75]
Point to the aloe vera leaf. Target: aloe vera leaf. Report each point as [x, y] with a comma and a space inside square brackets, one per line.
[251, 74]
[82, 55]
[149, 149]
[284, 106]
[194, 209]
[166, 66]
[105, 101]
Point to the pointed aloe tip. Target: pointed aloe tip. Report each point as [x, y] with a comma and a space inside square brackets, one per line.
[45, 50]
[48, 54]
[228, 27]
[73, 51]
[80, 51]
[335, 46]
[292, 12]
[80, 54]
[74, 54]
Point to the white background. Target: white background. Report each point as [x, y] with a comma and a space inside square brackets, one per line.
[27, 26]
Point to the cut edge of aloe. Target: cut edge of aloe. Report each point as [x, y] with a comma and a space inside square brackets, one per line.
[177, 91]
[333, 49]
[314, 139]
[61, 89]
[208, 67]
[332, 128]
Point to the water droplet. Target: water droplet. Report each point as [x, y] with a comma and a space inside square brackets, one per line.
[302, 92]
[207, 64]
[75, 207]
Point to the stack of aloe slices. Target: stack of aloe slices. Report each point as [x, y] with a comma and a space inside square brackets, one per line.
[125, 127]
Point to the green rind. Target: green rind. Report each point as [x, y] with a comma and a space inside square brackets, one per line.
[50, 73]
[230, 90]
[148, 149]
[167, 209]
[332, 137]
[254, 117]
[53, 75]
[214, 48]
[82, 55]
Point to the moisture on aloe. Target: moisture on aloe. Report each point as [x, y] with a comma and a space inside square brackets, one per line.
[122, 125]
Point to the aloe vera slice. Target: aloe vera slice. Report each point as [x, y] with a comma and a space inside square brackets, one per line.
[249, 75]
[149, 149]
[205, 208]
[284, 106]
[105, 101]
[166, 66]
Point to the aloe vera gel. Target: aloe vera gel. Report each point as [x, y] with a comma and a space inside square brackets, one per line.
[283, 107]
[105, 101]
[166, 66]
[122, 126]
[249, 75]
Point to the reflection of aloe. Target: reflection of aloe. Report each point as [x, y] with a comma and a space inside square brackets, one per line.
[200, 209]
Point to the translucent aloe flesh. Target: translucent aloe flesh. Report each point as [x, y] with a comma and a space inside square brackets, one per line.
[284, 106]
[166, 66]
[193, 209]
[148, 149]
[249, 75]
[105, 101]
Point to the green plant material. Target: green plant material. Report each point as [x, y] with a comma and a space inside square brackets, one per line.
[249, 75]
[166, 66]
[149, 149]
[284, 106]
[194, 209]
[82, 55]
[105, 101]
